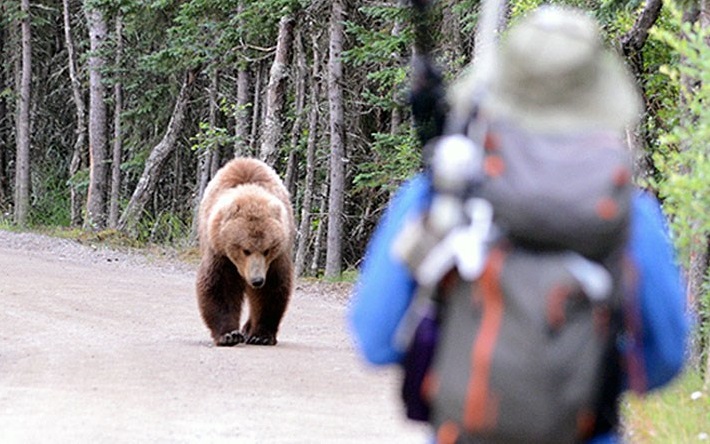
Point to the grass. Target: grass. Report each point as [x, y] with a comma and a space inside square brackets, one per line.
[109, 237]
[678, 413]
[348, 276]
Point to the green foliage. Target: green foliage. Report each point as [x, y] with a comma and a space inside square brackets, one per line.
[209, 31]
[80, 180]
[379, 52]
[166, 227]
[395, 158]
[50, 202]
[211, 138]
[7, 223]
[375, 46]
[468, 12]
[520, 8]
[347, 277]
[683, 159]
[107, 238]
[164, 38]
[50, 205]
[382, 40]
[134, 165]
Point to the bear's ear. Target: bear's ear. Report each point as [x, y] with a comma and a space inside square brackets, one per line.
[233, 210]
[276, 210]
[226, 207]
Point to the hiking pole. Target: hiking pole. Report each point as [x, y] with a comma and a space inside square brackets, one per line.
[486, 39]
[478, 79]
[432, 244]
[427, 97]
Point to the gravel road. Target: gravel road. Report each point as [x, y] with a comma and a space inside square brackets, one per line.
[106, 346]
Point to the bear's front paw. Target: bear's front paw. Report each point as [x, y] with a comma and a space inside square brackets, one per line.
[262, 339]
[229, 339]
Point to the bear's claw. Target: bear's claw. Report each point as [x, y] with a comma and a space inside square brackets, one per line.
[231, 338]
[261, 340]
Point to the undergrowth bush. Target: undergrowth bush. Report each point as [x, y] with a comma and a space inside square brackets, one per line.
[684, 163]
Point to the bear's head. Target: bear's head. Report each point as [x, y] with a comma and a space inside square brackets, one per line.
[249, 226]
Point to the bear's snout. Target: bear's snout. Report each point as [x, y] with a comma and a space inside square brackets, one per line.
[256, 270]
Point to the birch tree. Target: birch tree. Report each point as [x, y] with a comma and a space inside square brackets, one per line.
[78, 153]
[304, 227]
[156, 160]
[275, 93]
[337, 149]
[299, 81]
[98, 148]
[22, 159]
[117, 134]
[207, 154]
[4, 118]
[241, 111]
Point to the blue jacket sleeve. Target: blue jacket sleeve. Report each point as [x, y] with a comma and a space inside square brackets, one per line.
[385, 286]
[664, 325]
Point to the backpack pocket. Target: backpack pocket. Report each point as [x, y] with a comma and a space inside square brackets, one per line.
[563, 191]
[520, 352]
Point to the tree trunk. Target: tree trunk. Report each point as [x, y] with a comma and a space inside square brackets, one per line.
[304, 228]
[206, 165]
[242, 140]
[22, 159]
[337, 148]
[215, 149]
[4, 136]
[113, 213]
[153, 165]
[256, 111]
[396, 117]
[300, 98]
[318, 237]
[241, 114]
[79, 151]
[632, 44]
[98, 148]
[275, 93]
[696, 276]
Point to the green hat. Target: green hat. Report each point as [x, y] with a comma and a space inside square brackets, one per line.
[553, 74]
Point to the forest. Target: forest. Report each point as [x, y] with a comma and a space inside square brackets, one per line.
[115, 114]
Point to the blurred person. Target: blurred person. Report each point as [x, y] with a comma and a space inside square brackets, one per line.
[550, 76]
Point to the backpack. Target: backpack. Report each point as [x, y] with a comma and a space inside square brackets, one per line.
[523, 350]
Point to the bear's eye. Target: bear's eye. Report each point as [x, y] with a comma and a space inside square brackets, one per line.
[266, 252]
[246, 252]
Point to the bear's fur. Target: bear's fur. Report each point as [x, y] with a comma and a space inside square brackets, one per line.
[246, 239]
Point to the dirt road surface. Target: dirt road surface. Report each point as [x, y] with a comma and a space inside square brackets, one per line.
[102, 346]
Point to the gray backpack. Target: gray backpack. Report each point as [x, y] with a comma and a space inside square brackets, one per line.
[526, 350]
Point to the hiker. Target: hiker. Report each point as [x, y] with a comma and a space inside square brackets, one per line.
[551, 76]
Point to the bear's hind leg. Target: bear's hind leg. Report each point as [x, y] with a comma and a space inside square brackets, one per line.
[220, 293]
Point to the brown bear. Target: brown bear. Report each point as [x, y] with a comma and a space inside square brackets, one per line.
[246, 232]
